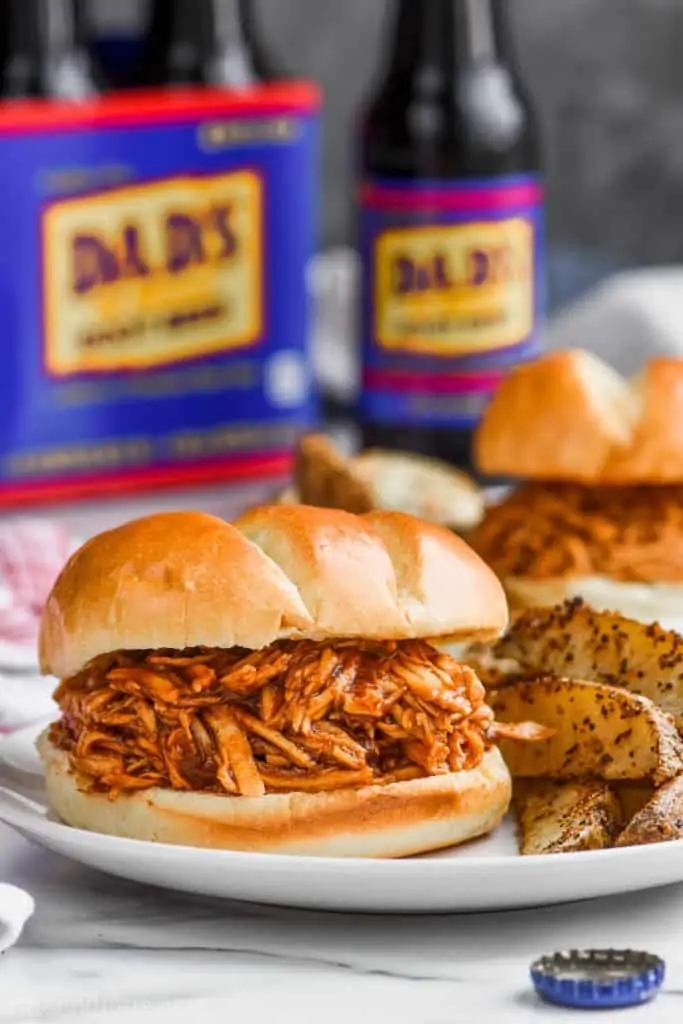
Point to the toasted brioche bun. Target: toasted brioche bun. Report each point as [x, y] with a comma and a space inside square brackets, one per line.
[186, 579]
[568, 416]
[377, 821]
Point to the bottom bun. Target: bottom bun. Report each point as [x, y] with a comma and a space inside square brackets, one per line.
[645, 602]
[377, 821]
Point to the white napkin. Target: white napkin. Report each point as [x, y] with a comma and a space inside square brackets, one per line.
[25, 699]
[16, 907]
[333, 281]
[627, 320]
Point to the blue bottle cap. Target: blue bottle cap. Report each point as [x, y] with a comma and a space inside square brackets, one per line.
[598, 979]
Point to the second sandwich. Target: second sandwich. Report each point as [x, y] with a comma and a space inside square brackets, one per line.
[599, 510]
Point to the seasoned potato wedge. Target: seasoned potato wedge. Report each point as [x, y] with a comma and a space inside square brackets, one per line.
[660, 820]
[323, 476]
[573, 641]
[563, 817]
[599, 731]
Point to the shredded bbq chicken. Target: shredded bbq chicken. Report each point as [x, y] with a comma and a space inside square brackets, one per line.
[297, 715]
[544, 530]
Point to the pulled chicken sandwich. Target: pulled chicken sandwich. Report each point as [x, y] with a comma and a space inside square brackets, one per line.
[598, 510]
[272, 685]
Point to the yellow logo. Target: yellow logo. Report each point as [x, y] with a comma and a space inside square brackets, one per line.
[152, 274]
[455, 289]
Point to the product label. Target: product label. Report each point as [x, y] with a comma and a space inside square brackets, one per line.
[452, 295]
[153, 274]
[154, 308]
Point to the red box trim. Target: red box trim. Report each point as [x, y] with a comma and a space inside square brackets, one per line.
[66, 489]
[158, 106]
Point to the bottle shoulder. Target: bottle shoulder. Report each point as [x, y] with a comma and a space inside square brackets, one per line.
[480, 122]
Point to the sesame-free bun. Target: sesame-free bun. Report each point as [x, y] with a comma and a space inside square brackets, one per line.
[396, 820]
[570, 417]
[186, 579]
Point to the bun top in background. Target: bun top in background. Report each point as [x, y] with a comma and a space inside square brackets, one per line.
[570, 417]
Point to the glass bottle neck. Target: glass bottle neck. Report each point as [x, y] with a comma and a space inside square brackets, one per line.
[446, 35]
[46, 27]
[232, 42]
[208, 25]
[212, 41]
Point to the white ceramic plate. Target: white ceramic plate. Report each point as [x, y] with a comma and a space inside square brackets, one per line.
[485, 875]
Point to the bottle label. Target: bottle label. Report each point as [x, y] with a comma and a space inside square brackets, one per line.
[453, 294]
[154, 303]
[148, 275]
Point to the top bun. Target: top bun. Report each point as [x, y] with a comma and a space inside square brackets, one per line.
[570, 417]
[186, 579]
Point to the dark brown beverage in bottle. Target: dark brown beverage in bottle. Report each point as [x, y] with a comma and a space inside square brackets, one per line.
[205, 42]
[47, 51]
[451, 227]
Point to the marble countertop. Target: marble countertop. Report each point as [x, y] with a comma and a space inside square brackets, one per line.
[101, 949]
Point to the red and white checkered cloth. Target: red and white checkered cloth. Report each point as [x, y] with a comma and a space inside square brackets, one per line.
[32, 553]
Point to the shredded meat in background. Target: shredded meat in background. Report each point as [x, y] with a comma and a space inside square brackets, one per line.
[297, 715]
[543, 530]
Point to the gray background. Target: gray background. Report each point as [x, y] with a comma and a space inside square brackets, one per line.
[607, 78]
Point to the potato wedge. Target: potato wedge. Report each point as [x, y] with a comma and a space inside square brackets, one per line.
[564, 817]
[573, 641]
[660, 820]
[425, 487]
[323, 476]
[600, 731]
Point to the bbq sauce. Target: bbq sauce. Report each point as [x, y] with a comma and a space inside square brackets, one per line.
[450, 203]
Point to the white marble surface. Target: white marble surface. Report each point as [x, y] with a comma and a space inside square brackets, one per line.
[102, 949]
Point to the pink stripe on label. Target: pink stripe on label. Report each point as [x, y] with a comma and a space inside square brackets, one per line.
[497, 197]
[432, 383]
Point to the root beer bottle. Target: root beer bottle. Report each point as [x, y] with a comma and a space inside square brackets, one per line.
[204, 42]
[451, 227]
[47, 51]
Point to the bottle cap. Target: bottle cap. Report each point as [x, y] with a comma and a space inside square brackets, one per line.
[595, 979]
